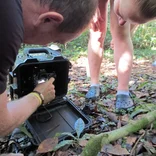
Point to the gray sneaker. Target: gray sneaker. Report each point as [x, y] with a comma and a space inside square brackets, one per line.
[123, 102]
[93, 93]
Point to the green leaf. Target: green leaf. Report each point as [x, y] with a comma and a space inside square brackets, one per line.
[69, 134]
[141, 85]
[79, 126]
[154, 124]
[62, 144]
[135, 113]
[25, 131]
[87, 136]
[58, 135]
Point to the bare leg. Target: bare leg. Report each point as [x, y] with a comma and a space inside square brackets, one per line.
[123, 57]
[95, 45]
[95, 48]
[123, 50]
[133, 28]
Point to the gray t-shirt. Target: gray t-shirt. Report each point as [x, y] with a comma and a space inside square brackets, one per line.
[11, 36]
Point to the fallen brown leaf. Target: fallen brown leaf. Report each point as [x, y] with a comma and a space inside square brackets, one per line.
[115, 150]
[47, 145]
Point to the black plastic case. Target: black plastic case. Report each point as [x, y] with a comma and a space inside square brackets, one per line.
[60, 117]
[60, 114]
[35, 64]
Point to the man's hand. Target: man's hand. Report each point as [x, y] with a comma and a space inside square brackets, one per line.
[12, 154]
[47, 89]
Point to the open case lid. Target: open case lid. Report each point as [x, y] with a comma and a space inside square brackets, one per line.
[37, 64]
[55, 118]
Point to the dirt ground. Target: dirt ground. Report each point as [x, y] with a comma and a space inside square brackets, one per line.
[142, 85]
[142, 72]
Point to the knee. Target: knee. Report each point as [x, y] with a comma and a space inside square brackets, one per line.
[121, 34]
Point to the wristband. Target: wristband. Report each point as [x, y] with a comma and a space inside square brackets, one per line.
[39, 96]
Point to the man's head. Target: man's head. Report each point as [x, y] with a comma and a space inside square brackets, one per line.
[48, 21]
[135, 11]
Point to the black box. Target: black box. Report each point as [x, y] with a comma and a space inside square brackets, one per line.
[60, 115]
[35, 64]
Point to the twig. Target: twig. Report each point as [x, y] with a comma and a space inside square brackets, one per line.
[132, 151]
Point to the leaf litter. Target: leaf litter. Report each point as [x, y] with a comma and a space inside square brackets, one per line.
[143, 88]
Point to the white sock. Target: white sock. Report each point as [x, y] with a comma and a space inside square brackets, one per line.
[96, 85]
[123, 92]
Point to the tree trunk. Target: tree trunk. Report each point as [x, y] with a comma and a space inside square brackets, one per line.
[98, 141]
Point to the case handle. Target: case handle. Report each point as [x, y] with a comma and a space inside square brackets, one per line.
[29, 51]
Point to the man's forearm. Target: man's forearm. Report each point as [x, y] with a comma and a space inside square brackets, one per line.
[16, 112]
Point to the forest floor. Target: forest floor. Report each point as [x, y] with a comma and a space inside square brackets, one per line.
[142, 85]
[102, 111]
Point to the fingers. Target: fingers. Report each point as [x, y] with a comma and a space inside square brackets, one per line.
[12, 154]
[51, 80]
[49, 93]
[47, 89]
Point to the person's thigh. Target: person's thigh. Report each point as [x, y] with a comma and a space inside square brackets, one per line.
[103, 6]
[118, 31]
[100, 17]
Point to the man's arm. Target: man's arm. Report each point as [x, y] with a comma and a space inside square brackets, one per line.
[14, 113]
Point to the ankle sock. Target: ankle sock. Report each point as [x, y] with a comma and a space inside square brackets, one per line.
[96, 85]
[123, 92]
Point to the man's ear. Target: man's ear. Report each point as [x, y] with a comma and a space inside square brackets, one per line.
[53, 17]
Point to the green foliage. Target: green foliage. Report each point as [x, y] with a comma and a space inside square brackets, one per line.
[144, 41]
[138, 111]
[62, 144]
[140, 54]
[77, 47]
[79, 127]
[145, 36]
[25, 131]
[73, 90]
[142, 109]
[148, 85]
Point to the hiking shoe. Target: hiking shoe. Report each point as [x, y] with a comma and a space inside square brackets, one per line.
[93, 93]
[123, 102]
